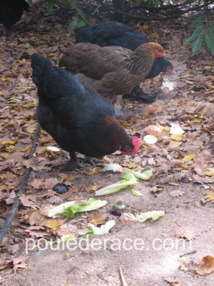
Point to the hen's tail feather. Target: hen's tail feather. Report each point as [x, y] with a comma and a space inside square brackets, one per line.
[37, 63]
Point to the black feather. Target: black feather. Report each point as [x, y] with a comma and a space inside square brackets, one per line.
[11, 11]
[119, 34]
[74, 116]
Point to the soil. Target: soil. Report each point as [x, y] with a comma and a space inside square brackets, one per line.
[162, 252]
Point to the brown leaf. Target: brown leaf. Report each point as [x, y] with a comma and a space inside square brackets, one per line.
[172, 281]
[150, 110]
[200, 166]
[35, 232]
[209, 196]
[11, 198]
[151, 161]
[19, 263]
[94, 188]
[53, 223]
[181, 232]
[54, 200]
[50, 183]
[176, 193]
[67, 228]
[97, 219]
[199, 179]
[13, 248]
[157, 188]
[89, 172]
[173, 184]
[34, 217]
[206, 265]
[27, 203]
[36, 183]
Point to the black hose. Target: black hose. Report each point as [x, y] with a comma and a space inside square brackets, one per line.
[21, 190]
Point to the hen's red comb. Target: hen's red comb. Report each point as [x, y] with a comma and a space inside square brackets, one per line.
[137, 143]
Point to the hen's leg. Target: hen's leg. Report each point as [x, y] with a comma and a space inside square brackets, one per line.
[138, 95]
[72, 164]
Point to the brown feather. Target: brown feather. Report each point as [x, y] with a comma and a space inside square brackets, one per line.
[116, 70]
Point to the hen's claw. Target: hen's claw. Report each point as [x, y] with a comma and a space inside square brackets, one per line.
[93, 161]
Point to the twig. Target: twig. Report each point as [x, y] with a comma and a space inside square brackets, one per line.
[167, 7]
[21, 190]
[122, 277]
[98, 7]
[12, 85]
[172, 16]
[188, 253]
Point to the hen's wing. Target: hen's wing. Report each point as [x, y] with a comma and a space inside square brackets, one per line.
[69, 112]
[94, 61]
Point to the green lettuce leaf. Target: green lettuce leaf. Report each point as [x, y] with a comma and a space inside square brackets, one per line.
[127, 180]
[70, 208]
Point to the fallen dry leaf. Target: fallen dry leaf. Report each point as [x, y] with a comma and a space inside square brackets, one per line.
[97, 219]
[27, 203]
[181, 232]
[209, 196]
[176, 193]
[206, 265]
[127, 218]
[172, 281]
[19, 263]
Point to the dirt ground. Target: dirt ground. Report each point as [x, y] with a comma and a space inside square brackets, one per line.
[160, 258]
[164, 252]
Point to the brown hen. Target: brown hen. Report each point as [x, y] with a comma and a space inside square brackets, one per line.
[114, 70]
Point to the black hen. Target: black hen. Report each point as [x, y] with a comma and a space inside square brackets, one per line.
[11, 12]
[111, 34]
[119, 34]
[78, 119]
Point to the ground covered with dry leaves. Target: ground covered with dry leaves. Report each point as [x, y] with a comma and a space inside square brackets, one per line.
[178, 247]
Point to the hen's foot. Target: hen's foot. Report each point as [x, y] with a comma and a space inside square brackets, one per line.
[93, 161]
[141, 97]
[72, 164]
[138, 95]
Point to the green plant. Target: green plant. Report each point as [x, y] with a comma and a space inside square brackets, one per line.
[79, 19]
[52, 4]
[202, 34]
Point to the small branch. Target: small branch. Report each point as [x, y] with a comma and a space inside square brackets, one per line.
[122, 277]
[188, 253]
[12, 85]
[166, 7]
[172, 16]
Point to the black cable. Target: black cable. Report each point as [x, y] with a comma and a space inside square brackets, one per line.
[21, 190]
